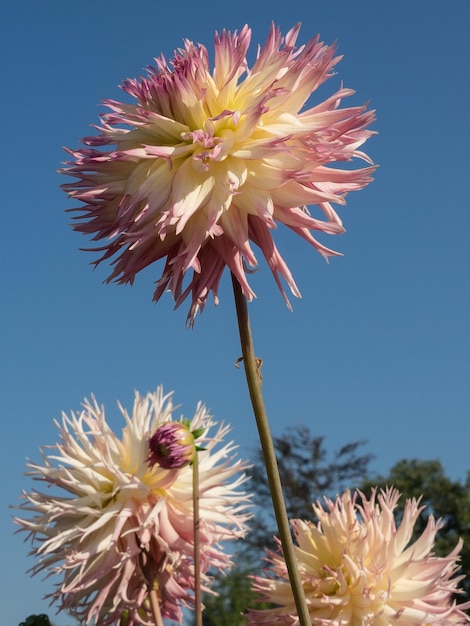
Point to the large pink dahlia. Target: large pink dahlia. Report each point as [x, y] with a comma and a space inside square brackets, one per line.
[111, 523]
[358, 568]
[204, 163]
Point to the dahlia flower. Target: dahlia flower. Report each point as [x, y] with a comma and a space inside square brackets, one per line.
[359, 568]
[112, 524]
[206, 162]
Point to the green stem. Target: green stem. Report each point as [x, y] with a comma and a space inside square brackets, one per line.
[197, 543]
[253, 378]
[155, 604]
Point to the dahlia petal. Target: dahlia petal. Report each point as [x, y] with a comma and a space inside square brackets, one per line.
[261, 236]
[296, 194]
[295, 217]
[236, 228]
[191, 191]
[234, 261]
[230, 51]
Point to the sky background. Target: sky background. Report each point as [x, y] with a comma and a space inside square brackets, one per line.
[377, 349]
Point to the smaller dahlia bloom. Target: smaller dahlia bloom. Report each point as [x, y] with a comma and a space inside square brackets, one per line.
[111, 524]
[358, 568]
[207, 161]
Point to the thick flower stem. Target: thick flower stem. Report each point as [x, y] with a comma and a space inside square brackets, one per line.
[155, 604]
[197, 544]
[253, 378]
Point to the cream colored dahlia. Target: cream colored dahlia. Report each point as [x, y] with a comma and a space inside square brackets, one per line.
[110, 523]
[359, 568]
[206, 162]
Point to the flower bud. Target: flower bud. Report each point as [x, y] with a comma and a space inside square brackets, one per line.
[172, 446]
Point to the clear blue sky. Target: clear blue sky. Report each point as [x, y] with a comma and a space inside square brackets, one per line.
[377, 349]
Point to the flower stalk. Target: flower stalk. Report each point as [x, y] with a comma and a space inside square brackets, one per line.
[155, 604]
[197, 543]
[253, 379]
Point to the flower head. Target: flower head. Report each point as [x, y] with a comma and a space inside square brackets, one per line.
[112, 524]
[206, 162]
[358, 567]
[172, 445]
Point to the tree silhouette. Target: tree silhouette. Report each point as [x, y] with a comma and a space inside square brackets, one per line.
[36, 620]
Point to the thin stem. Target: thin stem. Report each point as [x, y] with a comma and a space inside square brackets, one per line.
[155, 604]
[253, 378]
[197, 543]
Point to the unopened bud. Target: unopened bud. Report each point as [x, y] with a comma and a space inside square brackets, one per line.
[172, 446]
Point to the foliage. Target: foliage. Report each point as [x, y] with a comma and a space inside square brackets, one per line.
[442, 497]
[234, 595]
[36, 620]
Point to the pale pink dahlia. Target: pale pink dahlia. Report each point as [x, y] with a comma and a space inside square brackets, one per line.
[110, 524]
[358, 568]
[205, 163]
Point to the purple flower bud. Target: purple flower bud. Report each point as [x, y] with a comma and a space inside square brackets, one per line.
[172, 446]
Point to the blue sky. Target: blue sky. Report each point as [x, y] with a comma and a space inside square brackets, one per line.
[377, 349]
